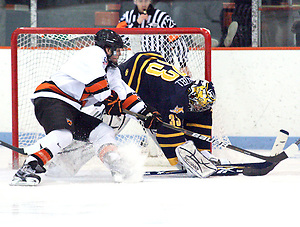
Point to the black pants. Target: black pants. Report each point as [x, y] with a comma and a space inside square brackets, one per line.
[55, 114]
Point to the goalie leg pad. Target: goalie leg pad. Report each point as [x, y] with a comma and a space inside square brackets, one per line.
[68, 162]
[195, 162]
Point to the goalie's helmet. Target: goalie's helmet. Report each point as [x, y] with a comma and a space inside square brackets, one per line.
[108, 38]
[201, 96]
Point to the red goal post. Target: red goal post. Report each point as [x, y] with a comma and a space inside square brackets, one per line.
[31, 49]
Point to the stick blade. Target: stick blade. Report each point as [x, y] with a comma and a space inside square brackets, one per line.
[261, 170]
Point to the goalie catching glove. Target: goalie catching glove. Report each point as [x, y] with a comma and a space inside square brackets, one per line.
[153, 118]
[113, 104]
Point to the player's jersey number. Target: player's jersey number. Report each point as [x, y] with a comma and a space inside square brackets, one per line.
[174, 120]
[160, 69]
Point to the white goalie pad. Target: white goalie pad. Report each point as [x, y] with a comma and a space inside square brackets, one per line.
[194, 162]
[68, 162]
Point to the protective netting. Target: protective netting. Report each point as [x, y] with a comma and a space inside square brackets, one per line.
[41, 54]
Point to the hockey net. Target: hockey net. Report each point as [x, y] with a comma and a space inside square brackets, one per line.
[37, 53]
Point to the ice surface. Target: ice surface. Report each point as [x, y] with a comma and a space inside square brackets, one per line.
[92, 199]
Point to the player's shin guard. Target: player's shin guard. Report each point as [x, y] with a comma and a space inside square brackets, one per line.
[55, 141]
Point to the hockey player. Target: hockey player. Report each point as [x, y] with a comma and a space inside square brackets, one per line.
[89, 76]
[144, 15]
[181, 101]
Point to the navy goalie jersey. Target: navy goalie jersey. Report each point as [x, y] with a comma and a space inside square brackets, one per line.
[157, 82]
[163, 87]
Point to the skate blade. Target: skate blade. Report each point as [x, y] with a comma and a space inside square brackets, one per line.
[30, 181]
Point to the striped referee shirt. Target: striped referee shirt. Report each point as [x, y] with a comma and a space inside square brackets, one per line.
[157, 19]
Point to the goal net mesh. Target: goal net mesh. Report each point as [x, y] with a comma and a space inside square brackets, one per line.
[38, 53]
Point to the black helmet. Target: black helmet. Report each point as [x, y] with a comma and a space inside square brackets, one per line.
[108, 38]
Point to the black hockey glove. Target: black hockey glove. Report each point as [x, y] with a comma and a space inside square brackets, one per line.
[113, 104]
[153, 118]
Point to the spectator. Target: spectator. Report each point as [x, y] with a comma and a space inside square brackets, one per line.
[239, 32]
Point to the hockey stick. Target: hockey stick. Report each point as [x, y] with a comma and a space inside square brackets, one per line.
[19, 150]
[230, 172]
[220, 172]
[279, 142]
[274, 159]
[247, 169]
[164, 172]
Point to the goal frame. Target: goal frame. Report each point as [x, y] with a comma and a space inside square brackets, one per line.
[41, 30]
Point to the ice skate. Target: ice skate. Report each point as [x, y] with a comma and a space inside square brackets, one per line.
[117, 166]
[26, 175]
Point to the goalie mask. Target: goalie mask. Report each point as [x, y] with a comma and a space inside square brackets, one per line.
[201, 96]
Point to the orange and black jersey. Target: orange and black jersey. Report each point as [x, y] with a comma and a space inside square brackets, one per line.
[95, 87]
[82, 80]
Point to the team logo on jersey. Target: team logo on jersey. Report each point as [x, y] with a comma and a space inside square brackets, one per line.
[105, 62]
[177, 110]
[126, 72]
[70, 122]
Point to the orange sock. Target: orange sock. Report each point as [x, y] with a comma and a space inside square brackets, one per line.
[43, 156]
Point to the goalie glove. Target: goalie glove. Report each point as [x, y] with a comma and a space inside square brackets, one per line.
[113, 104]
[153, 118]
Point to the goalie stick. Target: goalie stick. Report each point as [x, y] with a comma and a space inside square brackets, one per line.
[279, 142]
[247, 169]
[272, 159]
[222, 171]
[164, 172]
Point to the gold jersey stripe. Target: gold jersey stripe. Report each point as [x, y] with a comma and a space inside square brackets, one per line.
[135, 64]
[169, 135]
[199, 125]
[173, 161]
[171, 145]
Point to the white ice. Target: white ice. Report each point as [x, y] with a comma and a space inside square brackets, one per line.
[92, 199]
